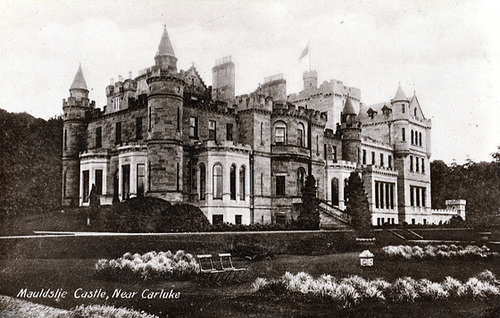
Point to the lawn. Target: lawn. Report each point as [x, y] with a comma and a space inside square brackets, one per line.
[238, 300]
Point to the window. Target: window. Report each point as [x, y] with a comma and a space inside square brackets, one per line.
[202, 181]
[98, 137]
[280, 133]
[150, 124]
[116, 103]
[65, 138]
[300, 181]
[377, 204]
[229, 132]
[86, 185]
[373, 158]
[141, 174]
[423, 197]
[381, 159]
[364, 156]
[178, 119]
[232, 182]
[217, 219]
[402, 108]
[212, 127]
[300, 135]
[261, 133]
[138, 128]
[237, 219]
[346, 182]
[420, 139]
[280, 185]
[118, 133]
[389, 161]
[415, 112]
[412, 139]
[335, 191]
[423, 165]
[403, 134]
[412, 200]
[261, 184]
[242, 183]
[317, 145]
[334, 153]
[193, 127]
[177, 177]
[411, 163]
[98, 181]
[217, 181]
[417, 164]
[125, 181]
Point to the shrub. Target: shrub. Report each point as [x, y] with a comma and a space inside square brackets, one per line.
[352, 290]
[440, 251]
[183, 218]
[92, 311]
[151, 265]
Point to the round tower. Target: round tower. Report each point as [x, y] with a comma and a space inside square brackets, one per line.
[75, 110]
[165, 149]
[351, 133]
[400, 108]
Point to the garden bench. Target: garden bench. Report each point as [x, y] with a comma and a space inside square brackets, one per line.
[226, 264]
[207, 268]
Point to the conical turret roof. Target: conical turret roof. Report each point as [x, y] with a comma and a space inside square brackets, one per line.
[79, 81]
[348, 107]
[165, 47]
[400, 95]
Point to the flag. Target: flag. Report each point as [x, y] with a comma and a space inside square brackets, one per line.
[304, 52]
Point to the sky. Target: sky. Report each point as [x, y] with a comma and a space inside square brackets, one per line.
[447, 52]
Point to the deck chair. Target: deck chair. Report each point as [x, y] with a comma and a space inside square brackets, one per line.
[208, 272]
[226, 263]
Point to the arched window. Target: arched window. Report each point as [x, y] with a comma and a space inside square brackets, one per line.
[335, 192]
[300, 180]
[232, 182]
[415, 112]
[300, 135]
[242, 183]
[217, 181]
[261, 133]
[203, 174]
[280, 133]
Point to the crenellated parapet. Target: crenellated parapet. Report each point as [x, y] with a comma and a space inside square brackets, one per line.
[290, 110]
[78, 102]
[254, 101]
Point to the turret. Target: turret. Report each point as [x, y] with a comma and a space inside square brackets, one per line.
[165, 57]
[400, 102]
[165, 109]
[75, 110]
[351, 132]
[310, 80]
[223, 83]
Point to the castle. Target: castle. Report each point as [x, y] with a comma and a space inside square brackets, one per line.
[244, 159]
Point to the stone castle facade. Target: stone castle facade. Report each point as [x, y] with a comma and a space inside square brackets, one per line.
[244, 159]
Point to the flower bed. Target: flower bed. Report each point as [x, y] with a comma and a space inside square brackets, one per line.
[152, 265]
[439, 252]
[348, 292]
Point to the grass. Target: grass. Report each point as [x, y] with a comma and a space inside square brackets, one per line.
[238, 300]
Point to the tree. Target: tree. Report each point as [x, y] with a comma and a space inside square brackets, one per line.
[309, 211]
[357, 204]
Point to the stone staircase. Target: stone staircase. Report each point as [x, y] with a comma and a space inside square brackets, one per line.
[332, 218]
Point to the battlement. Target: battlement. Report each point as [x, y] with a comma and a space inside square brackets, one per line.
[254, 101]
[315, 116]
[272, 78]
[78, 102]
[327, 88]
[223, 60]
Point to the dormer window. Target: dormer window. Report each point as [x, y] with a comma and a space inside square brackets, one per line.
[371, 113]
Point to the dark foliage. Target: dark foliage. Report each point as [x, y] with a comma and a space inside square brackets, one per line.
[477, 183]
[151, 215]
[357, 204]
[183, 218]
[228, 227]
[30, 177]
[309, 210]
